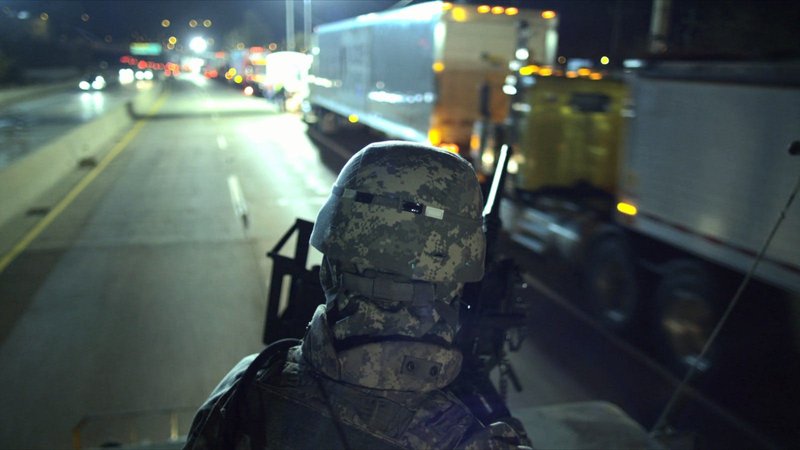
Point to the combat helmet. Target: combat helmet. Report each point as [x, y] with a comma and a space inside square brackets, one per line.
[405, 209]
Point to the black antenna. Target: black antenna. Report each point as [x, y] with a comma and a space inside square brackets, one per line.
[661, 423]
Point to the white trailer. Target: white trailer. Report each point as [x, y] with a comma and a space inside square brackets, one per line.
[707, 167]
[661, 189]
[416, 73]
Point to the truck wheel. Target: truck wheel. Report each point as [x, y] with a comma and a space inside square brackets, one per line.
[686, 313]
[610, 282]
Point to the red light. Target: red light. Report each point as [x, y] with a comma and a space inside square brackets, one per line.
[142, 65]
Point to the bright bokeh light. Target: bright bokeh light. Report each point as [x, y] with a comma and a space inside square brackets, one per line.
[248, 90]
[126, 76]
[512, 11]
[498, 10]
[198, 44]
[529, 70]
[207, 23]
[44, 16]
[438, 66]
[604, 60]
[627, 209]
[459, 14]
[522, 54]
[548, 14]
[172, 40]
[352, 118]
[165, 23]
[483, 9]
[193, 23]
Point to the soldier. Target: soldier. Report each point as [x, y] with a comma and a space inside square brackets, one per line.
[400, 233]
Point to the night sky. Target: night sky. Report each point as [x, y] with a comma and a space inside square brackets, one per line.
[588, 28]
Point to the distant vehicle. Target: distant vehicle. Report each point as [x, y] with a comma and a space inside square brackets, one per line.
[659, 189]
[93, 82]
[417, 73]
[286, 79]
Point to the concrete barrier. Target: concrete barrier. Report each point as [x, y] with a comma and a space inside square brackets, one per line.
[27, 179]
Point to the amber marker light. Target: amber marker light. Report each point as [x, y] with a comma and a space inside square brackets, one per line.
[548, 14]
[512, 11]
[497, 10]
[483, 9]
[627, 209]
[352, 118]
[438, 66]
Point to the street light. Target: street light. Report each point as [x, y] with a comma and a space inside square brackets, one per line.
[198, 44]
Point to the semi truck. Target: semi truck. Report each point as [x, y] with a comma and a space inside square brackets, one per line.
[659, 187]
[418, 73]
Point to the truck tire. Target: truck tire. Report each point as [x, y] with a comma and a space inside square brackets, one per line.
[686, 313]
[610, 289]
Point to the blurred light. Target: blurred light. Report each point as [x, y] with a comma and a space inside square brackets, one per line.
[513, 166]
[435, 136]
[562, 60]
[193, 23]
[447, 6]
[633, 63]
[487, 158]
[529, 70]
[459, 14]
[548, 14]
[165, 23]
[23, 15]
[483, 9]
[509, 89]
[248, 90]
[584, 72]
[627, 209]
[438, 66]
[240, 46]
[198, 44]
[99, 82]
[172, 40]
[522, 54]
[44, 16]
[498, 10]
[142, 65]
[546, 71]
[84, 85]
[512, 11]
[170, 46]
[238, 79]
[126, 76]
[207, 23]
[475, 141]
[85, 17]
[352, 118]
[604, 60]
[596, 76]
[450, 147]
[572, 74]
[273, 46]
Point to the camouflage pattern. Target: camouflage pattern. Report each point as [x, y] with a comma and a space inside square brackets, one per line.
[300, 399]
[368, 317]
[442, 241]
[392, 364]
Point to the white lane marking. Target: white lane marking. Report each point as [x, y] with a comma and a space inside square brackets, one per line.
[237, 198]
[222, 143]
